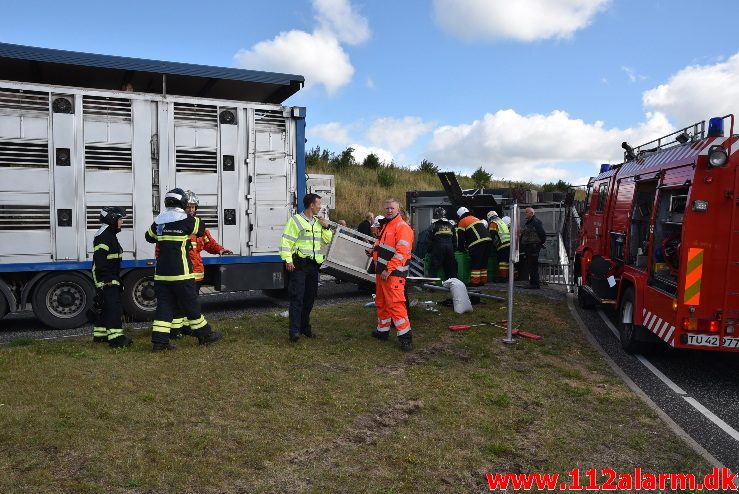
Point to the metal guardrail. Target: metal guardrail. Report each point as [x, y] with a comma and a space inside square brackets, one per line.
[558, 274]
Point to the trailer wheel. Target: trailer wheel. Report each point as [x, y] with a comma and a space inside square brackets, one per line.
[4, 306]
[634, 338]
[584, 300]
[61, 300]
[139, 299]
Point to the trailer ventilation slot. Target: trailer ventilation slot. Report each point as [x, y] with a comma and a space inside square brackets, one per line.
[108, 157]
[208, 215]
[273, 120]
[15, 101]
[192, 114]
[25, 154]
[93, 216]
[196, 160]
[13, 217]
[106, 108]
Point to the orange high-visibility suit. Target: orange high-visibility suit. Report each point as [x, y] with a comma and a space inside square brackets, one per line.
[392, 252]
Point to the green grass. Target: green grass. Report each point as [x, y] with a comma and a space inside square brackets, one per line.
[340, 413]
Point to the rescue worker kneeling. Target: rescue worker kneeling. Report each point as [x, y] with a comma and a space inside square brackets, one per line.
[391, 255]
[174, 279]
[106, 273]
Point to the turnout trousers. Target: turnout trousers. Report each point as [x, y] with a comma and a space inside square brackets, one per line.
[108, 324]
[504, 255]
[442, 254]
[479, 255]
[390, 303]
[302, 288]
[175, 298]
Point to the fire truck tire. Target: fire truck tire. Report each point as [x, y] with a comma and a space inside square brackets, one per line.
[61, 300]
[584, 299]
[139, 300]
[634, 338]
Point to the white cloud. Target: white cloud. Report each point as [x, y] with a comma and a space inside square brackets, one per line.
[361, 152]
[397, 134]
[521, 20]
[332, 132]
[318, 55]
[534, 147]
[697, 92]
[338, 17]
[632, 74]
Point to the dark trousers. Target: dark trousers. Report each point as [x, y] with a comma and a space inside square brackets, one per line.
[108, 322]
[302, 288]
[442, 255]
[532, 264]
[479, 255]
[175, 298]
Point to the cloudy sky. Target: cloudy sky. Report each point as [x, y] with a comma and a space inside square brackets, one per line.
[537, 90]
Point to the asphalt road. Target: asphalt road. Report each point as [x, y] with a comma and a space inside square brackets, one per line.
[215, 305]
[697, 389]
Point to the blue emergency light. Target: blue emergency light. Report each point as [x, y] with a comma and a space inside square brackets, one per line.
[605, 167]
[716, 127]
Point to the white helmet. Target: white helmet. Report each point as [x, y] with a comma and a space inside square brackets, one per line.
[462, 211]
[507, 220]
[192, 198]
[484, 222]
[492, 214]
[376, 224]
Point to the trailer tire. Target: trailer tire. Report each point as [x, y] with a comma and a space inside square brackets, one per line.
[584, 300]
[634, 338]
[61, 300]
[139, 299]
[4, 306]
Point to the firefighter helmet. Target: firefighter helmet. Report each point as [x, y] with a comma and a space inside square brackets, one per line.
[439, 213]
[492, 215]
[192, 198]
[462, 211]
[175, 198]
[110, 215]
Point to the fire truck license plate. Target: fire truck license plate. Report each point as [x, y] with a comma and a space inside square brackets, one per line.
[731, 342]
[703, 340]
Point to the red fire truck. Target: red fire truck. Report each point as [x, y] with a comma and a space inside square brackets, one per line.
[659, 240]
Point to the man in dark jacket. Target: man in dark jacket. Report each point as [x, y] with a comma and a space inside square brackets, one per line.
[364, 226]
[533, 238]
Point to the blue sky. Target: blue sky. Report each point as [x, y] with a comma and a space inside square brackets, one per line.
[529, 89]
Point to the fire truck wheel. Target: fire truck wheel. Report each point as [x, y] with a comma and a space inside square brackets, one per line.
[139, 300]
[584, 299]
[634, 338]
[61, 300]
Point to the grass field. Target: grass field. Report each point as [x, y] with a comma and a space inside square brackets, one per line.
[339, 413]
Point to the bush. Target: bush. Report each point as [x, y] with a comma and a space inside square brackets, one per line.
[427, 166]
[386, 177]
[481, 178]
[559, 186]
[344, 160]
[371, 161]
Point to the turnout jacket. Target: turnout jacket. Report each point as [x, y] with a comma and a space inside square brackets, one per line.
[500, 233]
[106, 258]
[473, 231]
[442, 232]
[392, 251]
[174, 245]
[205, 243]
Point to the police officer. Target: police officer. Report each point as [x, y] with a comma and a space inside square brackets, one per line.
[442, 243]
[174, 279]
[300, 248]
[501, 236]
[476, 238]
[106, 273]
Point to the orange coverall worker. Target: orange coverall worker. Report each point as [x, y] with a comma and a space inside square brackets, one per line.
[392, 253]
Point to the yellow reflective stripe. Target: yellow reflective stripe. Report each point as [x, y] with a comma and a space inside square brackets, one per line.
[197, 226]
[198, 323]
[101, 284]
[175, 238]
[101, 246]
[114, 333]
[99, 331]
[178, 323]
[179, 277]
[164, 324]
[185, 267]
[151, 233]
[114, 256]
[199, 276]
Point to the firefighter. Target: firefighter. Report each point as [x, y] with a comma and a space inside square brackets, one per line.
[476, 238]
[106, 273]
[391, 255]
[501, 236]
[174, 279]
[442, 243]
[533, 238]
[205, 243]
[300, 247]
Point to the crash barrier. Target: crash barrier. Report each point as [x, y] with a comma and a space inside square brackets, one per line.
[558, 274]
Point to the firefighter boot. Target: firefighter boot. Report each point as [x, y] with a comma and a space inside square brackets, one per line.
[206, 336]
[380, 335]
[406, 342]
[162, 347]
[120, 342]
